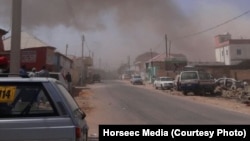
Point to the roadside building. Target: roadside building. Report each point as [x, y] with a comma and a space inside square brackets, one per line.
[231, 51]
[36, 53]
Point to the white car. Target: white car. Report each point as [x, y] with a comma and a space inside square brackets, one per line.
[136, 79]
[164, 82]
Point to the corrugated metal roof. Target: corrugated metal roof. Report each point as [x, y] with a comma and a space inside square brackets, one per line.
[27, 41]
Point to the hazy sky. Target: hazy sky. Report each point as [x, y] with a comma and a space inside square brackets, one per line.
[116, 29]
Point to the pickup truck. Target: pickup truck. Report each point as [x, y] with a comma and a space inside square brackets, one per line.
[197, 82]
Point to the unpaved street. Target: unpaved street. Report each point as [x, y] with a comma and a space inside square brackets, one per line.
[100, 103]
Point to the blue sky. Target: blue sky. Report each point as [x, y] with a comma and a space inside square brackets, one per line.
[115, 30]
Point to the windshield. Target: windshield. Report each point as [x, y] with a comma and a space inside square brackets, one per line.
[166, 79]
[137, 77]
[189, 75]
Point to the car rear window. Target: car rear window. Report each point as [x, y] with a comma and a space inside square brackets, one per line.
[166, 79]
[25, 100]
[189, 75]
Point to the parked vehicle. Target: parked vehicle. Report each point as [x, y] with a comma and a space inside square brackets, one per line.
[59, 76]
[164, 82]
[229, 83]
[136, 79]
[126, 77]
[39, 109]
[198, 82]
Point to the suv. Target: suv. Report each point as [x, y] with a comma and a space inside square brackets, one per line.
[198, 82]
[39, 109]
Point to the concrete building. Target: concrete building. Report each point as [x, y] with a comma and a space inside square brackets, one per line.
[231, 51]
[36, 53]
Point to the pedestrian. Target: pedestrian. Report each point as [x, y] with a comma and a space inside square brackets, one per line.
[33, 72]
[69, 80]
[23, 71]
[43, 72]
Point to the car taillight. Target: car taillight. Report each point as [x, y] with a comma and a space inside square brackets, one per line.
[78, 132]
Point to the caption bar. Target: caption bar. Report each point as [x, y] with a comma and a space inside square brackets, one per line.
[173, 132]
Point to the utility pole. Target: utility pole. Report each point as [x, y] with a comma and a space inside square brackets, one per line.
[151, 54]
[15, 51]
[66, 51]
[166, 42]
[169, 47]
[93, 59]
[82, 60]
[129, 64]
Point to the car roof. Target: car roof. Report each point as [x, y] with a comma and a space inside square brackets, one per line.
[165, 77]
[20, 79]
[55, 73]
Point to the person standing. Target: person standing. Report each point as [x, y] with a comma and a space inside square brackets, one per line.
[23, 71]
[33, 72]
[69, 80]
[43, 72]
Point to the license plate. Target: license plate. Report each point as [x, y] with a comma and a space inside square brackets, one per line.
[7, 94]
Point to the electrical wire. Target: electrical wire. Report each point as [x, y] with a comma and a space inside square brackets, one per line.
[214, 27]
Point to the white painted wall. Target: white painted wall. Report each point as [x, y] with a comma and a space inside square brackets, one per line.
[229, 56]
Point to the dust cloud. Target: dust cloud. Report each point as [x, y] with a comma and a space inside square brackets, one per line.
[116, 29]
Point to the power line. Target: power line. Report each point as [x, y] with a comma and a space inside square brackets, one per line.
[214, 27]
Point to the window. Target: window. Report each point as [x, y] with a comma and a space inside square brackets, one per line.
[28, 100]
[189, 75]
[238, 51]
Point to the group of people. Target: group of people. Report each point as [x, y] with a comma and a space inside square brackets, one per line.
[42, 73]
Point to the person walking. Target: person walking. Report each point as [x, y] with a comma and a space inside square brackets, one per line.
[43, 72]
[69, 80]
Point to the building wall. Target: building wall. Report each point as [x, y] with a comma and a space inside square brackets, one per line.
[239, 52]
[232, 54]
[33, 57]
[223, 55]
